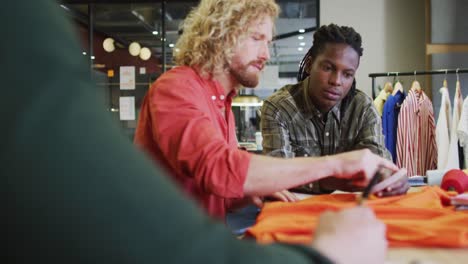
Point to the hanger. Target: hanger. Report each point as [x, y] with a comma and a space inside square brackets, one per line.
[444, 84]
[444, 87]
[457, 86]
[416, 86]
[398, 86]
[388, 87]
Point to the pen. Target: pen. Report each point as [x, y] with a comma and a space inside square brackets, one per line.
[366, 192]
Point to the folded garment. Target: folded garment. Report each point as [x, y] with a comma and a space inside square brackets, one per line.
[419, 219]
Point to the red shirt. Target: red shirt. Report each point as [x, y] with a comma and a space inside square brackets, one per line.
[182, 125]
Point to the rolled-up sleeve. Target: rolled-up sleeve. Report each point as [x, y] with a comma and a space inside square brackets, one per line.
[190, 141]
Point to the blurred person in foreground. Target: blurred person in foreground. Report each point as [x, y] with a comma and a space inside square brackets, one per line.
[76, 191]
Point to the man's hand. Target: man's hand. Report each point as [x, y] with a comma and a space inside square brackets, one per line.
[284, 196]
[398, 188]
[351, 236]
[395, 184]
[360, 166]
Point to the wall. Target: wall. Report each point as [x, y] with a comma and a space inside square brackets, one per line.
[392, 31]
[449, 26]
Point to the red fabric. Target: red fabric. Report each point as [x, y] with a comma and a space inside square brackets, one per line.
[182, 126]
[422, 219]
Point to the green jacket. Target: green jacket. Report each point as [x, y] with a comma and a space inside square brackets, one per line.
[76, 189]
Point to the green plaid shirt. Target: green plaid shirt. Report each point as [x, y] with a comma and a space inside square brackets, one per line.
[293, 127]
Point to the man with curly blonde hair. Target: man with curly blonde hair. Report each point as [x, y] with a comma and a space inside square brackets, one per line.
[186, 122]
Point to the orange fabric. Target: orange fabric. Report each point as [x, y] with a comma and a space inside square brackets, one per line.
[423, 219]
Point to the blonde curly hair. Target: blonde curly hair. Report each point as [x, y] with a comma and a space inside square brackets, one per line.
[213, 29]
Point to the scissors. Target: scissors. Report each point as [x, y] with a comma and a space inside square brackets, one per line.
[367, 191]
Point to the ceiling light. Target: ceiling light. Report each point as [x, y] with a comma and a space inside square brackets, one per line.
[300, 49]
[108, 44]
[302, 43]
[84, 53]
[145, 53]
[300, 37]
[171, 45]
[134, 48]
[155, 32]
[92, 57]
[301, 30]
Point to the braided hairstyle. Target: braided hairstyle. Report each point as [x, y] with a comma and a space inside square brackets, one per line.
[329, 34]
[333, 34]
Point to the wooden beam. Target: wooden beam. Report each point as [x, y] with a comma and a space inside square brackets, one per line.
[445, 48]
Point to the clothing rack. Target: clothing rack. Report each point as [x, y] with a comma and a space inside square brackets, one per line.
[413, 73]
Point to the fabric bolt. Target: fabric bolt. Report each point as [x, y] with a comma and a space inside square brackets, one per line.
[186, 123]
[453, 155]
[390, 121]
[416, 140]
[455, 180]
[379, 101]
[418, 219]
[462, 131]
[443, 128]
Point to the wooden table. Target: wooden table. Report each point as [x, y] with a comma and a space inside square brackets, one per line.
[421, 255]
[426, 256]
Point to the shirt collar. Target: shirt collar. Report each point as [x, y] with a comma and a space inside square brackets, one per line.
[400, 94]
[420, 98]
[218, 94]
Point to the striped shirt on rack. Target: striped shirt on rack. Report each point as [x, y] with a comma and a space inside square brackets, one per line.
[416, 142]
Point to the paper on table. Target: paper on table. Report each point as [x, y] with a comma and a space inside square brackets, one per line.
[127, 107]
[127, 78]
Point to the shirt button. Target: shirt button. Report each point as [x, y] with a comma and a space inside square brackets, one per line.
[326, 134]
[221, 97]
[213, 97]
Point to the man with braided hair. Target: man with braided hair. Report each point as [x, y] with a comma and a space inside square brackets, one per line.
[324, 114]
